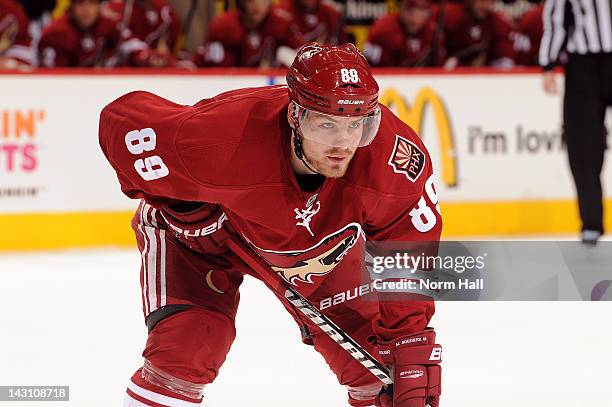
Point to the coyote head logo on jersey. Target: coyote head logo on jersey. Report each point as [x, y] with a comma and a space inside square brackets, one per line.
[302, 265]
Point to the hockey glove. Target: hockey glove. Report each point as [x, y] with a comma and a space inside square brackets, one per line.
[415, 363]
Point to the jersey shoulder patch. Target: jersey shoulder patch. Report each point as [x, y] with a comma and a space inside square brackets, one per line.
[407, 158]
[396, 164]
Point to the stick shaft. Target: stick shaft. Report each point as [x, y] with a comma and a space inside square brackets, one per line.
[311, 312]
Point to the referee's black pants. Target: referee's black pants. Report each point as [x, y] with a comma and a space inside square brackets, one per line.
[588, 92]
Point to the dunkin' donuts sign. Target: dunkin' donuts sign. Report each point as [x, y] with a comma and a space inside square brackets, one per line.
[18, 140]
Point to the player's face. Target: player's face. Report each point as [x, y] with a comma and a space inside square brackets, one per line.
[256, 11]
[415, 18]
[480, 8]
[85, 12]
[329, 142]
[331, 162]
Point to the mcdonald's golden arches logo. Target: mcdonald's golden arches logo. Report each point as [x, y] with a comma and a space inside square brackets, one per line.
[413, 116]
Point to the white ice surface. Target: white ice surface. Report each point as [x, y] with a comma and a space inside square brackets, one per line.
[74, 318]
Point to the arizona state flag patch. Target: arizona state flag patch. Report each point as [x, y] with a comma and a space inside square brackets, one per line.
[407, 159]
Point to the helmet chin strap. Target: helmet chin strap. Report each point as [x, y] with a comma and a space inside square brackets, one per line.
[299, 150]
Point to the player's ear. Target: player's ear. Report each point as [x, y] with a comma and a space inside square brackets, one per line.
[291, 114]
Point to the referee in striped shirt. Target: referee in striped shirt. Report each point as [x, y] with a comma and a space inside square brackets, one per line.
[583, 29]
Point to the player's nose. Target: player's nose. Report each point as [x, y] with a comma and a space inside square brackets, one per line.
[344, 138]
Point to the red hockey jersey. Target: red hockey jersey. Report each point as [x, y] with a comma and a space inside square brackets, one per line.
[230, 43]
[63, 44]
[527, 39]
[152, 21]
[234, 150]
[14, 37]
[390, 44]
[476, 42]
[324, 25]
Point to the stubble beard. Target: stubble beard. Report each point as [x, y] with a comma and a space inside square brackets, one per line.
[330, 170]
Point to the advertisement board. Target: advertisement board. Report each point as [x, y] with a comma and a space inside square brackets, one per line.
[495, 141]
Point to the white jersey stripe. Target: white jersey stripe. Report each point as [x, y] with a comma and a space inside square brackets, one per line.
[145, 219]
[153, 219]
[144, 257]
[586, 24]
[162, 266]
[545, 43]
[152, 268]
[554, 31]
[590, 26]
[559, 32]
[160, 398]
[129, 401]
[605, 24]
[579, 38]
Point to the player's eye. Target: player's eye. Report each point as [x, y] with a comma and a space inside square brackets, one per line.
[327, 125]
[355, 125]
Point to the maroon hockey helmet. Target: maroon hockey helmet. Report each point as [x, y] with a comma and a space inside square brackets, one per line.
[334, 80]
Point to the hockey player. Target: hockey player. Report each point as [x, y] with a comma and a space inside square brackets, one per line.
[86, 38]
[477, 36]
[15, 41]
[528, 36]
[256, 34]
[151, 21]
[301, 174]
[316, 20]
[407, 38]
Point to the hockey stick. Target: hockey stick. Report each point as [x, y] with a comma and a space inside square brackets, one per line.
[122, 27]
[432, 52]
[316, 316]
[127, 16]
[339, 31]
[440, 21]
[189, 18]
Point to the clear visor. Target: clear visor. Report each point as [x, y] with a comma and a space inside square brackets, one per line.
[338, 131]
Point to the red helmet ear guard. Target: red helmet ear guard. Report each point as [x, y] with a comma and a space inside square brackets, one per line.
[335, 80]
